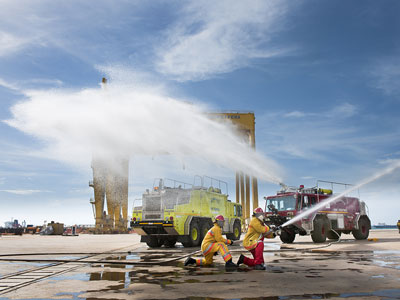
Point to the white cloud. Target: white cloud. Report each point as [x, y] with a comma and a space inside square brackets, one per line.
[344, 110]
[295, 114]
[30, 83]
[307, 177]
[387, 75]
[321, 136]
[9, 85]
[204, 38]
[72, 27]
[218, 37]
[44, 81]
[9, 43]
[23, 192]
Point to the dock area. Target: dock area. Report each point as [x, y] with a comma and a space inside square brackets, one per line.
[120, 267]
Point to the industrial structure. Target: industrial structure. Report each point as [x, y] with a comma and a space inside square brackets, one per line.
[110, 184]
[110, 179]
[245, 123]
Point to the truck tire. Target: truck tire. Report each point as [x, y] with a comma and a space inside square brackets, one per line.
[170, 242]
[154, 242]
[321, 228]
[194, 235]
[333, 236]
[237, 231]
[363, 229]
[287, 236]
[205, 227]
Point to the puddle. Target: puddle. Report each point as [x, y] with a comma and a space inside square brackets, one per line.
[26, 263]
[132, 257]
[378, 276]
[71, 296]
[69, 257]
[387, 252]
[271, 246]
[387, 264]
[80, 276]
[384, 294]
[389, 294]
[123, 276]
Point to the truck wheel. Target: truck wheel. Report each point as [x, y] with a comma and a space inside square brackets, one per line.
[333, 236]
[194, 235]
[154, 242]
[320, 230]
[237, 231]
[170, 242]
[287, 236]
[204, 229]
[363, 229]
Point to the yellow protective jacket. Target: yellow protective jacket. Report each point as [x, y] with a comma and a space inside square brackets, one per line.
[256, 231]
[214, 235]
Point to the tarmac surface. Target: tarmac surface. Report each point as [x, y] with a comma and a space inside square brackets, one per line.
[120, 267]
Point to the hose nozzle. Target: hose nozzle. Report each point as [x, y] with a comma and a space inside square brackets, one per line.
[277, 230]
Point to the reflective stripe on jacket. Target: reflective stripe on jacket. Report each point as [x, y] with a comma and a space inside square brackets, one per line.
[254, 234]
[213, 235]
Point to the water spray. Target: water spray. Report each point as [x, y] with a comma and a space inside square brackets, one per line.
[337, 197]
[134, 120]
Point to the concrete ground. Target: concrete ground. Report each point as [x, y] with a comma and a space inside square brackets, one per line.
[351, 269]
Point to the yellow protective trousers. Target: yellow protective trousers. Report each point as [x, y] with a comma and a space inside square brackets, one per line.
[209, 254]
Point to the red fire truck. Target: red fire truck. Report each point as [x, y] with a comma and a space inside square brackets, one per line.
[346, 215]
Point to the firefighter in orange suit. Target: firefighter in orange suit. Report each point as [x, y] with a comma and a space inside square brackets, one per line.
[212, 243]
[254, 241]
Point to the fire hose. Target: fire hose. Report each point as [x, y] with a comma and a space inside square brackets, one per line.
[137, 263]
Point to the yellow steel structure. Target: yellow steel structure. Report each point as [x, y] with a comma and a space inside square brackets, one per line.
[245, 122]
[110, 183]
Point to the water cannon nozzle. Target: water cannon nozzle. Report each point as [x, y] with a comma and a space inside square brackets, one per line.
[284, 186]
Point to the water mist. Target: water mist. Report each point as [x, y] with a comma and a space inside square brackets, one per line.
[123, 121]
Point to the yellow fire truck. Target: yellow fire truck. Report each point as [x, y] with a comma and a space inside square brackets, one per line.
[175, 211]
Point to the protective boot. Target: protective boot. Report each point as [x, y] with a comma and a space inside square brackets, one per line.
[189, 261]
[240, 260]
[230, 266]
[259, 267]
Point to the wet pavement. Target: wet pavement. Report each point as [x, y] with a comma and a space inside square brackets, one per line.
[346, 270]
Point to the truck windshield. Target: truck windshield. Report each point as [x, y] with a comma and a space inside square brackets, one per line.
[283, 203]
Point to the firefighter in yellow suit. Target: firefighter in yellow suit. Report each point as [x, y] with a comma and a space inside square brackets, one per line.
[212, 243]
[254, 241]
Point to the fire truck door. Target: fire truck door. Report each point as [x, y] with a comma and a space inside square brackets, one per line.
[340, 221]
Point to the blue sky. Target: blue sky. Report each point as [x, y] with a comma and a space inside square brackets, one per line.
[322, 77]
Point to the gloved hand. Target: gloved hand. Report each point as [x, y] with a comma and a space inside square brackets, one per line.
[277, 230]
[231, 242]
